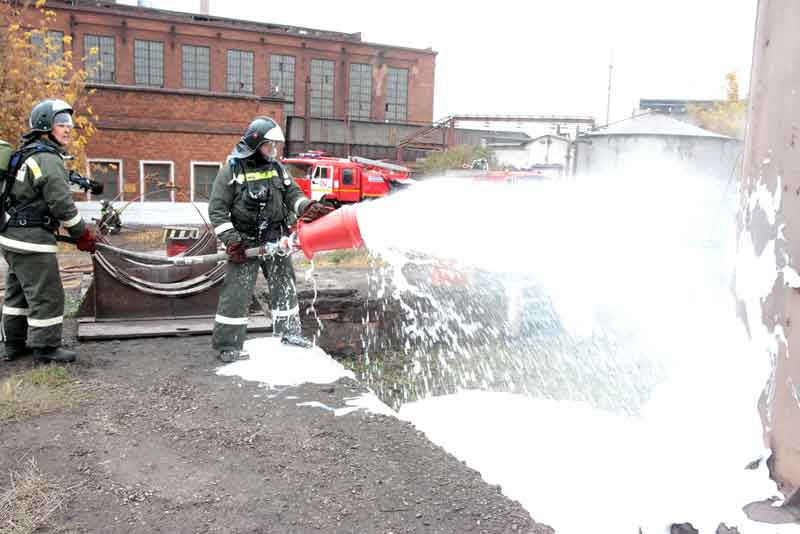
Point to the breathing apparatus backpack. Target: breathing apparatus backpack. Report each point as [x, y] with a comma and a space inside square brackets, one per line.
[6, 179]
[10, 163]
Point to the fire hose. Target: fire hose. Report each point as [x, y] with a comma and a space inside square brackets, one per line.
[334, 231]
[283, 247]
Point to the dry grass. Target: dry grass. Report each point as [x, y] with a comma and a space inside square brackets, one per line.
[37, 391]
[342, 258]
[29, 500]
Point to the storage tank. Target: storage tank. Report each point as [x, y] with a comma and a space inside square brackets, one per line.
[655, 140]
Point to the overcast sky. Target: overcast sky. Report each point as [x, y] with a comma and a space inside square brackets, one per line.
[541, 56]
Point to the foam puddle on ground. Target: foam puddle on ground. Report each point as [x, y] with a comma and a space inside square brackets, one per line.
[278, 365]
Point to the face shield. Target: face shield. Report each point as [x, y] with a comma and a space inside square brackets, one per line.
[64, 119]
[269, 150]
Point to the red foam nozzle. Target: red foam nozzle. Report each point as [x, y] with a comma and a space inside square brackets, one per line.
[337, 230]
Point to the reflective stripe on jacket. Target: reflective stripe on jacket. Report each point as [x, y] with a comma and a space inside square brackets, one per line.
[42, 185]
[228, 210]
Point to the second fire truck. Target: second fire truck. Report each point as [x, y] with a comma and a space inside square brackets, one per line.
[338, 181]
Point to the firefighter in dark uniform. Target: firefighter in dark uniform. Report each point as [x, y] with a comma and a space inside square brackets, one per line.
[39, 203]
[251, 201]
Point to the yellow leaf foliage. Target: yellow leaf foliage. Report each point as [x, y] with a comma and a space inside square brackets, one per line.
[30, 73]
[726, 118]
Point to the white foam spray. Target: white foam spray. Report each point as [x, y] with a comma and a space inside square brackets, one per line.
[636, 273]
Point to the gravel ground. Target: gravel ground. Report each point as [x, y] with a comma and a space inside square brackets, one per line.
[166, 445]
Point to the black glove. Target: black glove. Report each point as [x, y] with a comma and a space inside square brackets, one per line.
[314, 210]
[235, 252]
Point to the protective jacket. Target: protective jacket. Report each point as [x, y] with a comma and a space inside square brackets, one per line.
[234, 213]
[42, 201]
[237, 217]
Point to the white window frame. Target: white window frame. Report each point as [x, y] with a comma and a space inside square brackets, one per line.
[120, 177]
[142, 191]
[192, 163]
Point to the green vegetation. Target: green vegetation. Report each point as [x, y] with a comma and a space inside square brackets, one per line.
[459, 157]
[597, 371]
[339, 258]
[37, 391]
[726, 118]
[72, 302]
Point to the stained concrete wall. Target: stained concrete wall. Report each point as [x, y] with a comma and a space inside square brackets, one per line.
[770, 229]
[545, 150]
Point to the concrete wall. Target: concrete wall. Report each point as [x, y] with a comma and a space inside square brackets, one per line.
[537, 152]
[770, 231]
[625, 154]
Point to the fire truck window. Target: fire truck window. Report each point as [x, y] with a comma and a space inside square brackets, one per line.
[347, 176]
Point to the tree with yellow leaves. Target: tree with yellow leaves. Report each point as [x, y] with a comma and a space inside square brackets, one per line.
[35, 64]
[727, 117]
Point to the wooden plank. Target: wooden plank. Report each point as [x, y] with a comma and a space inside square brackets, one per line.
[96, 331]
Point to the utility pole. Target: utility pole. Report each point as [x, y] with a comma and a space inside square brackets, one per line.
[608, 99]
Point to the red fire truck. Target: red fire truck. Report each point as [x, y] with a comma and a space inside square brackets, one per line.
[345, 180]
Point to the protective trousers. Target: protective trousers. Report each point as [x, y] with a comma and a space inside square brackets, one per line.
[34, 300]
[230, 324]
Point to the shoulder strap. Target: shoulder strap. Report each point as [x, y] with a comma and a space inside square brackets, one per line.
[21, 156]
[15, 163]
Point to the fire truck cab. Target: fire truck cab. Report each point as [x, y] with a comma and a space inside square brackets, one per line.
[344, 181]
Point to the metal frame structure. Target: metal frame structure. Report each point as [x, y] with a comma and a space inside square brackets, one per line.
[135, 295]
[447, 126]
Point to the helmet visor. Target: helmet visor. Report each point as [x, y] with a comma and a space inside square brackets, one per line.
[64, 118]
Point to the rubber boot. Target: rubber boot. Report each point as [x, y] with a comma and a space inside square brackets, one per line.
[16, 350]
[297, 340]
[229, 356]
[54, 354]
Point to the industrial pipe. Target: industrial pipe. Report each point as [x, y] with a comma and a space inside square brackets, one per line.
[336, 230]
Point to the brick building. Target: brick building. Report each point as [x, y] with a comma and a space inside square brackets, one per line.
[174, 91]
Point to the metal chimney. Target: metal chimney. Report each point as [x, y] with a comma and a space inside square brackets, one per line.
[204, 7]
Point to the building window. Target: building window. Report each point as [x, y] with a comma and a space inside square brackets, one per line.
[109, 173]
[322, 87]
[148, 63]
[396, 94]
[156, 180]
[52, 45]
[203, 174]
[196, 61]
[100, 65]
[281, 77]
[240, 71]
[359, 103]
